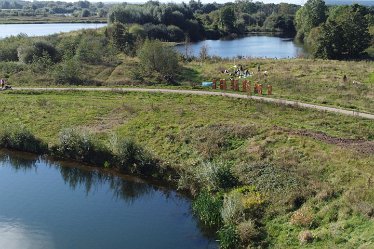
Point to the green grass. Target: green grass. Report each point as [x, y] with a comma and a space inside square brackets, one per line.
[257, 141]
[306, 80]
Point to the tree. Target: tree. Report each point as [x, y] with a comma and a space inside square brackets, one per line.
[28, 53]
[311, 15]
[345, 34]
[85, 13]
[159, 60]
[227, 18]
[121, 38]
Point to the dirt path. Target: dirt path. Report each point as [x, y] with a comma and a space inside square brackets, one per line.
[211, 93]
[361, 145]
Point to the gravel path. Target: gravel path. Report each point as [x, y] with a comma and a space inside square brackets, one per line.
[211, 93]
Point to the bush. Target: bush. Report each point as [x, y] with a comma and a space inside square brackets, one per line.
[302, 217]
[208, 209]
[91, 49]
[27, 53]
[131, 157]
[228, 237]
[19, 138]
[81, 147]
[159, 61]
[233, 209]
[67, 72]
[305, 237]
[210, 176]
[248, 232]
[243, 203]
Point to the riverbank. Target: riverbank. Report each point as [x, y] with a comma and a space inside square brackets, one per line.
[297, 160]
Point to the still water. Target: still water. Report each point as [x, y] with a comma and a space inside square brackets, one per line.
[44, 29]
[52, 205]
[256, 46]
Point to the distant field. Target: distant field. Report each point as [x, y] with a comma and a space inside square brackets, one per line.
[51, 19]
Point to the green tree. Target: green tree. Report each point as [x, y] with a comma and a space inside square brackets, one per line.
[121, 38]
[345, 34]
[227, 18]
[159, 61]
[311, 15]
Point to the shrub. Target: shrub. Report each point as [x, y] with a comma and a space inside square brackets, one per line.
[131, 157]
[19, 138]
[159, 61]
[67, 72]
[243, 203]
[228, 237]
[208, 208]
[248, 232]
[81, 147]
[211, 176]
[305, 237]
[302, 217]
[233, 210]
[27, 53]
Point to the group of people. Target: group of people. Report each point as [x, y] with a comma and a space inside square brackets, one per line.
[239, 72]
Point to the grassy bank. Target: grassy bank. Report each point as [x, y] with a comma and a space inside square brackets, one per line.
[263, 175]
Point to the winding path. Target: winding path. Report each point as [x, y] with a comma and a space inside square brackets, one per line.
[211, 93]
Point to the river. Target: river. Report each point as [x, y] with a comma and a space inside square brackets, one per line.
[52, 205]
[7, 30]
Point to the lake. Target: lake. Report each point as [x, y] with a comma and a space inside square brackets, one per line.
[256, 46]
[52, 205]
[44, 29]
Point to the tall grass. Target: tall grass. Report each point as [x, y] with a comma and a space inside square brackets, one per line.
[19, 138]
[82, 147]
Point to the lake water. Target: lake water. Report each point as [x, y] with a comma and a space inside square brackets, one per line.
[256, 46]
[44, 29]
[48, 205]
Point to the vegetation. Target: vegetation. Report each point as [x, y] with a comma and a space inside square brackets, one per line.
[262, 175]
[172, 22]
[266, 175]
[338, 32]
[51, 11]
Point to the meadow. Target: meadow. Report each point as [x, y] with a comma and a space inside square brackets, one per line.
[277, 176]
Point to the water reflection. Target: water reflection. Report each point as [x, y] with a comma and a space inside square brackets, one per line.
[15, 235]
[91, 179]
[19, 163]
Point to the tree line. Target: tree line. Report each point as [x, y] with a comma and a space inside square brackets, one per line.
[48, 8]
[196, 21]
[335, 32]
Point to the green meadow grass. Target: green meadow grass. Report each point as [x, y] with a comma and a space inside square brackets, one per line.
[182, 131]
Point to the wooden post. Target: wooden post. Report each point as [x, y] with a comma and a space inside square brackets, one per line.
[236, 85]
[232, 84]
[270, 89]
[259, 89]
[221, 84]
[244, 86]
[224, 85]
[214, 86]
[255, 88]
